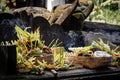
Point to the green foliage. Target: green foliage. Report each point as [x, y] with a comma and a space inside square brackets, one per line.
[100, 44]
[105, 11]
[111, 17]
[113, 6]
[3, 7]
[6, 9]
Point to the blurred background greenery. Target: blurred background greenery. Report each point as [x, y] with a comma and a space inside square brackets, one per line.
[105, 11]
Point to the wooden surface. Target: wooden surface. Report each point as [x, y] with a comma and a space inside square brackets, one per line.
[111, 73]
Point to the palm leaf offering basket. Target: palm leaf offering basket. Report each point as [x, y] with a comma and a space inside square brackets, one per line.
[87, 57]
[90, 62]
